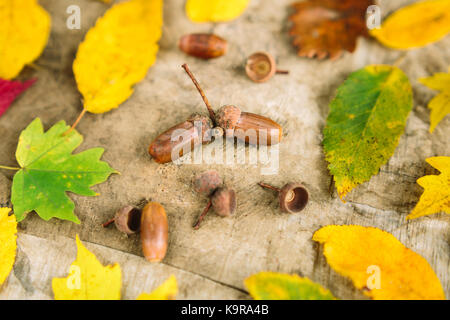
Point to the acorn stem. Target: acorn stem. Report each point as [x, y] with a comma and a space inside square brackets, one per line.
[282, 71]
[202, 216]
[268, 186]
[212, 115]
[107, 223]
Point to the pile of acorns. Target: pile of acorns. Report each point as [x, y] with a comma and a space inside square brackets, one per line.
[151, 221]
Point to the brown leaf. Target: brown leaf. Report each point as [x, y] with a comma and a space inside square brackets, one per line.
[324, 28]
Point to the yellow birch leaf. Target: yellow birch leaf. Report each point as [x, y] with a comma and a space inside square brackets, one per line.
[25, 27]
[167, 291]
[88, 279]
[416, 25]
[439, 105]
[8, 245]
[280, 286]
[117, 52]
[215, 10]
[436, 197]
[378, 263]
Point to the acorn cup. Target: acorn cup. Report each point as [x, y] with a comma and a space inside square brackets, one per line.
[261, 66]
[293, 197]
[221, 199]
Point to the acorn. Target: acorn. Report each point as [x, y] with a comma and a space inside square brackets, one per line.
[154, 232]
[126, 219]
[242, 125]
[293, 197]
[203, 45]
[161, 149]
[236, 123]
[207, 182]
[261, 66]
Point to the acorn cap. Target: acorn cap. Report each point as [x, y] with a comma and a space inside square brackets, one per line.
[128, 219]
[224, 202]
[206, 125]
[293, 197]
[260, 67]
[227, 117]
[207, 182]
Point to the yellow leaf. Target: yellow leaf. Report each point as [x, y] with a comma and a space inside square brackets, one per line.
[416, 25]
[25, 27]
[215, 10]
[436, 197]
[377, 262]
[8, 230]
[280, 286]
[167, 291]
[439, 105]
[88, 279]
[117, 52]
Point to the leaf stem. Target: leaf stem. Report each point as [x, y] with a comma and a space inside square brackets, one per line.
[212, 115]
[9, 168]
[76, 122]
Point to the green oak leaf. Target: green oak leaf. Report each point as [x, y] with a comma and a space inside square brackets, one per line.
[49, 170]
[280, 286]
[365, 123]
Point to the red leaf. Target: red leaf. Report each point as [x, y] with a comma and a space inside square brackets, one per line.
[325, 28]
[9, 90]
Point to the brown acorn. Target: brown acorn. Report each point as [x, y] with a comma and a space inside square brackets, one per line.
[203, 45]
[236, 123]
[128, 219]
[207, 182]
[154, 232]
[293, 197]
[161, 148]
[243, 124]
[261, 66]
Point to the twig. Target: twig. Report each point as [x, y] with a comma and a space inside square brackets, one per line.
[107, 223]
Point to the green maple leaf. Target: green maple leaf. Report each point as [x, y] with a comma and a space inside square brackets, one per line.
[49, 170]
[280, 286]
[365, 123]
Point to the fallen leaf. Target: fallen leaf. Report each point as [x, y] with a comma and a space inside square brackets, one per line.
[215, 10]
[280, 286]
[8, 230]
[378, 263]
[365, 123]
[167, 291]
[436, 197]
[117, 52]
[25, 29]
[325, 28]
[49, 170]
[88, 279]
[439, 105]
[9, 90]
[416, 25]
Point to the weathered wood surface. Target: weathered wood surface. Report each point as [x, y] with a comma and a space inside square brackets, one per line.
[213, 261]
